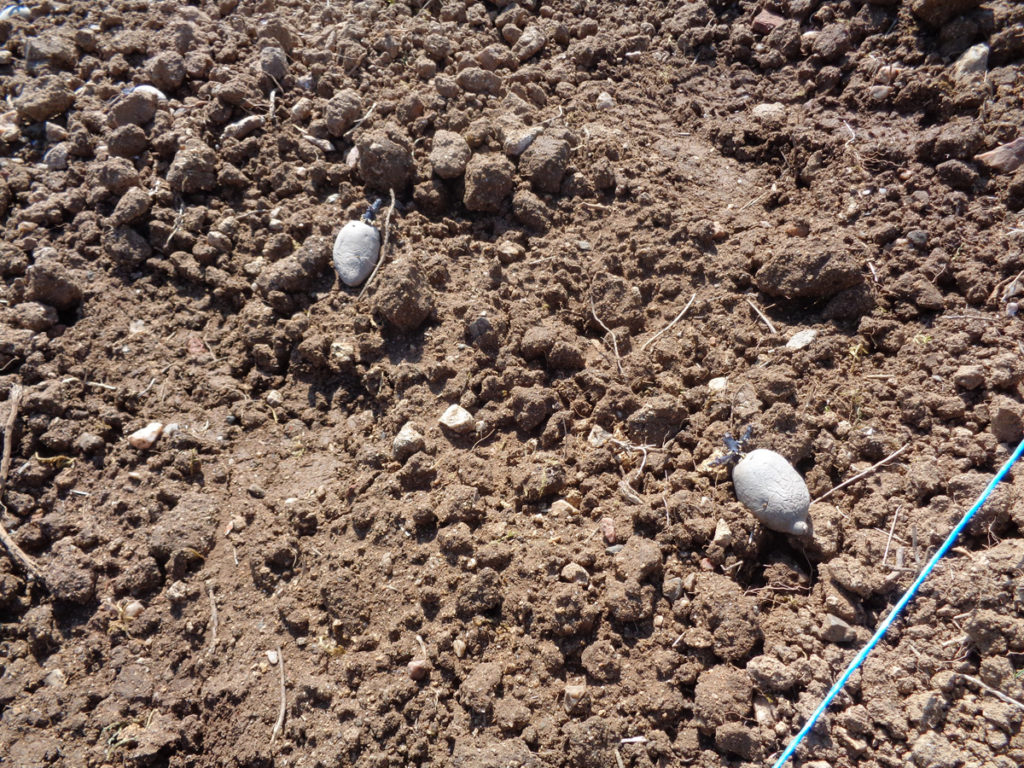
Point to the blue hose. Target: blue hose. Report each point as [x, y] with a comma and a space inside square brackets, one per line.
[907, 597]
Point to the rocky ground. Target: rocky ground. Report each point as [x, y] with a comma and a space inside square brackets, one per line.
[618, 231]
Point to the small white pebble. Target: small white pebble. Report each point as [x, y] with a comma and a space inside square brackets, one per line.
[272, 657]
[801, 339]
[133, 609]
[458, 420]
[723, 534]
[143, 439]
[598, 436]
[459, 647]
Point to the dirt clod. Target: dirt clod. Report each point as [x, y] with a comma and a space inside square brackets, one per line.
[469, 502]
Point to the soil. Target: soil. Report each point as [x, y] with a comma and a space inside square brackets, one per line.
[618, 232]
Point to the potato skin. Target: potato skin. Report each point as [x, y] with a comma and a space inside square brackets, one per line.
[774, 491]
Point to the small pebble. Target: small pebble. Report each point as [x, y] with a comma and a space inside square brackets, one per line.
[607, 526]
[574, 572]
[133, 609]
[408, 441]
[458, 420]
[418, 668]
[605, 101]
[672, 589]
[273, 657]
[177, 593]
[1012, 308]
[598, 436]
[459, 647]
[723, 534]
[302, 110]
[614, 549]
[563, 507]
[718, 383]
[574, 693]
[274, 398]
[917, 238]
[835, 630]
[801, 339]
[143, 439]
[763, 711]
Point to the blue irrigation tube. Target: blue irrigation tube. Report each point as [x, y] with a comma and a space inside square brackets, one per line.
[907, 597]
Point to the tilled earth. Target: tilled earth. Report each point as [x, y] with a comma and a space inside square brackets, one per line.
[617, 232]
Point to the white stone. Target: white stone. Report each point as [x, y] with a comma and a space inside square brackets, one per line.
[763, 712]
[143, 439]
[458, 420]
[242, 128]
[342, 354]
[801, 339]
[517, 140]
[56, 158]
[408, 441]
[302, 110]
[723, 534]
[273, 398]
[133, 609]
[718, 383]
[273, 657]
[598, 436]
[972, 63]
[605, 101]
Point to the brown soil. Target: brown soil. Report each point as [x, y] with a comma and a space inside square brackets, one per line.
[528, 592]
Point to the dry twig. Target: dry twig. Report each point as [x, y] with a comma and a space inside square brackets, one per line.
[762, 315]
[361, 120]
[668, 327]
[615, 343]
[384, 247]
[17, 554]
[998, 694]
[214, 620]
[892, 530]
[177, 226]
[279, 725]
[863, 474]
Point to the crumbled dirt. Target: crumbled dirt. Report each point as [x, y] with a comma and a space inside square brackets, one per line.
[564, 570]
